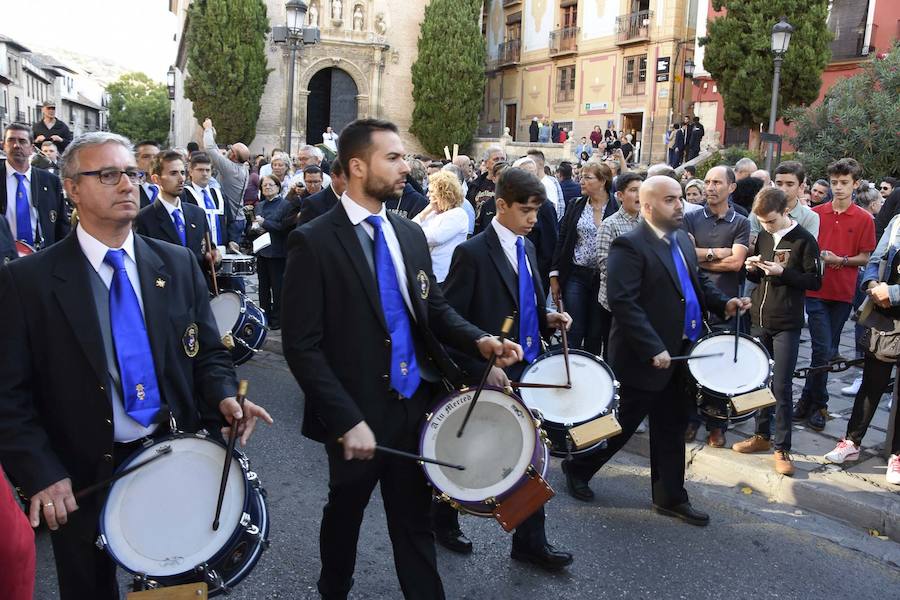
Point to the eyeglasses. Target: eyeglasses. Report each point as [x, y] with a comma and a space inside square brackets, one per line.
[114, 176]
[885, 188]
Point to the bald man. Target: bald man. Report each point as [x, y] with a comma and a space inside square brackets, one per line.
[232, 173]
[657, 295]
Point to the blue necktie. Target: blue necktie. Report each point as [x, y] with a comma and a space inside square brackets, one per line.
[692, 321]
[140, 390]
[23, 212]
[179, 226]
[154, 192]
[210, 205]
[404, 368]
[529, 332]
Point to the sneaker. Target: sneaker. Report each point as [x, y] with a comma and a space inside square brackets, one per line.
[783, 463]
[893, 469]
[851, 389]
[844, 451]
[757, 443]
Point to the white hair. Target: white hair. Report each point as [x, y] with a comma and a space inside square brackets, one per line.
[312, 150]
[69, 162]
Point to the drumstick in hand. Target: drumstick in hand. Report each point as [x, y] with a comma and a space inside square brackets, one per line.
[504, 331]
[212, 266]
[232, 436]
[565, 345]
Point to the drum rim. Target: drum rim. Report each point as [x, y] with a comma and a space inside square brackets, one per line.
[236, 454]
[724, 395]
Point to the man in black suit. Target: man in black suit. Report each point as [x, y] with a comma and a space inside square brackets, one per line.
[67, 417]
[321, 202]
[41, 192]
[677, 151]
[168, 218]
[7, 243]
[657, 295]
[144, 153]
[367, 352]
[483, 285]
[697, 133]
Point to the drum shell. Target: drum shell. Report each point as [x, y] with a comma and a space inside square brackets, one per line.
[250, 327]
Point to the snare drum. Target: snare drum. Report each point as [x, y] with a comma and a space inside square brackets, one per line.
[241, 323]
[501, 448]
[593, 395]
[237, 264]
[719, 379]
[157, 522]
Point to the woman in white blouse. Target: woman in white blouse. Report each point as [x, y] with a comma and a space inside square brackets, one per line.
[443, 221]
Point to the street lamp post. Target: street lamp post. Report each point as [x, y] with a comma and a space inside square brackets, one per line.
[781, 38]
[297, 34]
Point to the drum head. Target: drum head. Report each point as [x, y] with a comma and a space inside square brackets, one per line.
[720, 374]
[593, 387]
[226, 308]
[158, 520]
[496, 447]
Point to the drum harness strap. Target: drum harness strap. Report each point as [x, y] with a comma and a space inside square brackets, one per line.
[835, 366]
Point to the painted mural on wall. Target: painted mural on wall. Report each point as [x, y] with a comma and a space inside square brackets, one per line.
[599, 18]
[538, 23]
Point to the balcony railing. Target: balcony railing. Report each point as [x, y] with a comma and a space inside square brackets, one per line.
[850, 42]
[564, 41]
[508, 52]
[634, 27]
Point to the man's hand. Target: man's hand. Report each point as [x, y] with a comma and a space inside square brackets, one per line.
[497, 378]
[207, 123]
[233, 248]
[880, 295]
[753, 262]
[55, 503]
[358, 442]
[831, 259]
[56, 138]
[39, 139]
[559, 320]
[231, 410]
[554, 289]
[662, 360]
[508, 353]
[737, 304]
[771, 268]
[259, 220]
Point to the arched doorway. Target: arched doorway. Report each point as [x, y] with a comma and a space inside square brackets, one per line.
[331, 102]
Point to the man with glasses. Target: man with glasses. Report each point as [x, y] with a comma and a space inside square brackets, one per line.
[30, 198]
[49, 128]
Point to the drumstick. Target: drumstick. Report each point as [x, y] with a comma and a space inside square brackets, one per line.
[99, 486]
[212, 265]
[565, 344]
[696, 356]
[412, 456]
[551, 386]
[232, 436]
[737, 322]
[504, 331]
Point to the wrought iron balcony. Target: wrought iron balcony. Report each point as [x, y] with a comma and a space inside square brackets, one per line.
[508, 53]
[633, 27]
[564, 41]
[850, 42]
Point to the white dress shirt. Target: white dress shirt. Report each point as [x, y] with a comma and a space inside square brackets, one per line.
[12, 185]
[444, 232]
[358, 215]
[508, 243]
[211, 214]
[550, 184]
[126, 429]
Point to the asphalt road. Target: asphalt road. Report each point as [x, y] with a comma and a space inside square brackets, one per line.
[752, 549]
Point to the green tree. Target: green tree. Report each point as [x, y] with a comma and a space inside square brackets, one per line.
[739, 57]
[448, 75]
[859, 117]
[139, 108]
[226, 64]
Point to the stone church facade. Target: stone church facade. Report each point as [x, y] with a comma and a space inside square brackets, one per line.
[360, 68]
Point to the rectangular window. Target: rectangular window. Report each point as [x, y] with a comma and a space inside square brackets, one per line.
[570, 16]
[565, 90]
[634, 82]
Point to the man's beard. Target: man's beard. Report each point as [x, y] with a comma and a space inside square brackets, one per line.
[381, 190]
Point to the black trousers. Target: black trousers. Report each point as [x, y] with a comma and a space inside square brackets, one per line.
[668, 411]
[271, 276]
[83, 570]
[876, 376]
[407, 500]
[530, 534]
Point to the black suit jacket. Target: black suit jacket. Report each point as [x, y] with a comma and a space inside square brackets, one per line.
[484, 289]
[317, 205]
[154, 221]
[335, 338]
[647, 304]
[679, 141]
[47, 196]
[56, 416]
[568, 235]
[7, 243]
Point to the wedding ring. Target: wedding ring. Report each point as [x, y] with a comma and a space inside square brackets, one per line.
[50, 504]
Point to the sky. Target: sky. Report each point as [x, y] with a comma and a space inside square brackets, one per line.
[136, 34]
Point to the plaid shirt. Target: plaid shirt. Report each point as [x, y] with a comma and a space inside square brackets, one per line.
[612, 227]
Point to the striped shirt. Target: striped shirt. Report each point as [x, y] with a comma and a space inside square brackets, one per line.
[612, 227]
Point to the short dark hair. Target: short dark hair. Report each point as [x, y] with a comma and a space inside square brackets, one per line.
[312, 170]
[891, 181]
[164, 157]
[625, 179]
[691, 169]
[336, 167]
[147, 143]
[355, 140]
[565, 169]
[536, 152]
[192, 147]
[515, 185]
[696, 119]
[845, 166]
[19, 127]
[769, 200]
[791, 167]
[199, 158]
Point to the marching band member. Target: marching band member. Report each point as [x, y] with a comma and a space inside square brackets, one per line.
[119, 308]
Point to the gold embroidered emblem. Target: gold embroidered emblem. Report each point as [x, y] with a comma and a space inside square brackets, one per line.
[139, 388]
[424, 284]
[404, 369]
[53, 216]
[190, 341]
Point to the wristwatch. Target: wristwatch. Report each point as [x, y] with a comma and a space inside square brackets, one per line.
[710, 255]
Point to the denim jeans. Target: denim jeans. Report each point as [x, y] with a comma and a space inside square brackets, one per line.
[590, 322]
[782, 346]
[826, 319]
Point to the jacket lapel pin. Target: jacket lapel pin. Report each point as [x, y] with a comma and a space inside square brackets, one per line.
[160, 282]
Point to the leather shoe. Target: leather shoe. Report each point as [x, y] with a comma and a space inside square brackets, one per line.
[578, 488]
[816, 419]
[454, 540]
[685, 512]
[716, 438]
[546, 557]
[801, 411]
[690, 434]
